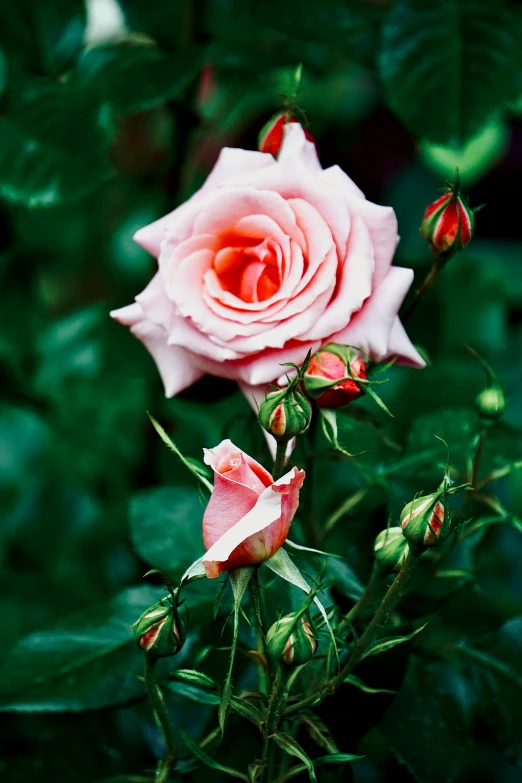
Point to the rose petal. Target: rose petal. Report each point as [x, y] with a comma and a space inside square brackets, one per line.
[271, 507]
[400, 346]
[370, 329]
[176, 366]
[231, 162]
[380, 221]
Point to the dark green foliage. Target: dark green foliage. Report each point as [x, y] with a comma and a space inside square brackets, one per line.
[100, 137]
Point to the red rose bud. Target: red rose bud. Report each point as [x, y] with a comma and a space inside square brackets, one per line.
[329, 377]
[391, 550]
[271, 135]
[292, 639]
[448, 223]
[426, 520]
[160, 632]
[285, 414]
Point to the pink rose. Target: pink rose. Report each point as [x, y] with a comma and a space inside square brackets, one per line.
[248, 515]
[268, 260]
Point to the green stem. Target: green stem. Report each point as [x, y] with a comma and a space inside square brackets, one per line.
[477, 460]
[162, 716]
[280, 459]
[381, 614]
[276, 706]
[436, 268]
[261, 623]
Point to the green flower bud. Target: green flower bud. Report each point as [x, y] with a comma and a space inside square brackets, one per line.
[160, 631]
[292, 639]
[286, 413]
[391, 550]
[426, 520]
[491, 402]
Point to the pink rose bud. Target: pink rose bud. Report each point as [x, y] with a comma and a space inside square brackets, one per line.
[425, 521]
[271, 135]
[329, 377]
[160, 632]
[248, 516]
[292, 639]
[448, 223]
[285, 413]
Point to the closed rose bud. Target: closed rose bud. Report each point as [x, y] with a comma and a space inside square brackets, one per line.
[160, 631]
[285, 414]
[425, 522]
[391, 550]
[491, 402]
[329, 377]
[448, 223]
[271, 135]
[292, 639]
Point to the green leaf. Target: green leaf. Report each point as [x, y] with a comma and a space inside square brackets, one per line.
[193, 693]
[290, 746]
[165, 527]
[346, 580]
[247, 710]
[135, 77]
[88, 661]
[336, 758]
[319, 732]
[45, 36]
[352, 679]
[193, 677]
[199, 470]
[239, 580]
[381, 645]
[449, 67]
[52, 148]
[432, 713]
[329, 425]
[208, 760]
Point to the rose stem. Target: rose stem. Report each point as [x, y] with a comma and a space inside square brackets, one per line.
[429, 280]
[162, 716]
[279, 462]
[380, 615]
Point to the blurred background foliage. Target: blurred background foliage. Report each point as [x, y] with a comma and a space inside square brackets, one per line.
[113, 113]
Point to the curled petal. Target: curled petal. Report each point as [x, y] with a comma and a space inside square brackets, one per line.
[261, 531]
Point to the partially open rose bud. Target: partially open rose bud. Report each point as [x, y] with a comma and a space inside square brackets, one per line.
[491, 402]
[160, 631]
[391, 550]
[425, 521]
[292, 639]
[330, 376]
[448, 223]
[271, 135]
[285, 414]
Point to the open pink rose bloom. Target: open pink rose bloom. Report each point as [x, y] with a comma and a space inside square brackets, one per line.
[248, 516]
[270, 258]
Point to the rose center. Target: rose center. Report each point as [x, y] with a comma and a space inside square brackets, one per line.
[249, 268]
